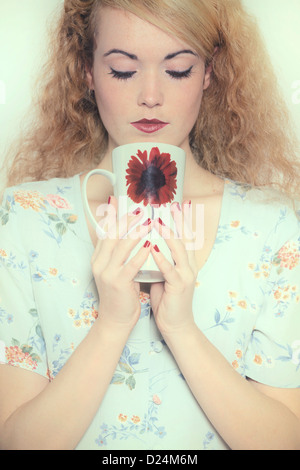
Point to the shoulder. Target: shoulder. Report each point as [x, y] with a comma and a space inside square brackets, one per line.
[270, 211]
[36, 189]
[37, 204]
[32, 197]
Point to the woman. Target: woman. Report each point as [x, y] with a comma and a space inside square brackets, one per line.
[216, 365]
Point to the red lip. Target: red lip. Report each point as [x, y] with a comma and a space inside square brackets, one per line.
[149, 125]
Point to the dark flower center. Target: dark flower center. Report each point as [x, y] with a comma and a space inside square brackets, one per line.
[151, 180]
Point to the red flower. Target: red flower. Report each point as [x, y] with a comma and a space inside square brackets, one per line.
[152, 180]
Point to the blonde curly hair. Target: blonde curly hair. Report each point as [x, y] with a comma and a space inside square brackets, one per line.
[243, 130]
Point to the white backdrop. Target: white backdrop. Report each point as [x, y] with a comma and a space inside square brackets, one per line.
[23, 26]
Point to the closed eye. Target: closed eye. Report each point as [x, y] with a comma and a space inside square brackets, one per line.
[121, 75]
[173, 73]
[179, 75]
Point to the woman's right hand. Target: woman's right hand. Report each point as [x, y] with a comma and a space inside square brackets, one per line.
[118, 292]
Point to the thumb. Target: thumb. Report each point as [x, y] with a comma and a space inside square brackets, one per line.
[156, 293]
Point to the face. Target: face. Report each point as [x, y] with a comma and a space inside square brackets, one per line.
[148, 85]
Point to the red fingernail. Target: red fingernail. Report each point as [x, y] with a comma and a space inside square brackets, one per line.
[147, 222]
[156, 248]
[161, 222]
[137, 211]
[109, 200]
[147, 244]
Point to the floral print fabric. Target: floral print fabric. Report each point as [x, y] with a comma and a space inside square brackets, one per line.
[246, 301]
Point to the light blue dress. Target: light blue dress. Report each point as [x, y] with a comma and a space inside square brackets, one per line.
[246, 301]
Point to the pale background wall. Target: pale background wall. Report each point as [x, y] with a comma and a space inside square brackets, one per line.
[23, 26]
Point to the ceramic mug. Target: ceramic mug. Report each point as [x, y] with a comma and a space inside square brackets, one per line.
[148, 176]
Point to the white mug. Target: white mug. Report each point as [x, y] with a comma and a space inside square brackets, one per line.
[149, 176]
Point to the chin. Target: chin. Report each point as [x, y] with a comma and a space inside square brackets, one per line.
[155, 138]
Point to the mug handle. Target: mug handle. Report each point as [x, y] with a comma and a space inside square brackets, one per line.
[112, 178]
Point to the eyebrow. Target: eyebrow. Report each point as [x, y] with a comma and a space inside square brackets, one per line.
[185, 51]
[119, 51]
[134, 57]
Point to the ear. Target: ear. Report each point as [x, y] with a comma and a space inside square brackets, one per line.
[206, 81]
[89, 76]
[208, 70]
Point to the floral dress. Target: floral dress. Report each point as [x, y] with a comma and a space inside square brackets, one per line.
[246, 301]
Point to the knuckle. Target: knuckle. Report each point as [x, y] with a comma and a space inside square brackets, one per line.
[166, 266]
[189, 277]
[101, 274]
[134, 263]
[106, 277]
[96, 269]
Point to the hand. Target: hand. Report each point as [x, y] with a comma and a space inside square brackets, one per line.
[171, 301]
[114, 277]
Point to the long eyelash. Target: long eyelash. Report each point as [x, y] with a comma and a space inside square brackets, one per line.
[121, 75]
[174, 74]
[180, 75]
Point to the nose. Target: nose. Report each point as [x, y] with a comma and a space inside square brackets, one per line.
[151, 92]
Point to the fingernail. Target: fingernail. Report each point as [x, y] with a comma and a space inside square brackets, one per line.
[147, 222]
[161, 222]
[137, 211]
[156, 248]
[147, 244]
[109, 200]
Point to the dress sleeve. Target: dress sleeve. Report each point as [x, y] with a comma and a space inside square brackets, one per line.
[21, 338]
[273, 354]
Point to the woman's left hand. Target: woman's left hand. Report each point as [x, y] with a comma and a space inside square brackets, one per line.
[171, 300]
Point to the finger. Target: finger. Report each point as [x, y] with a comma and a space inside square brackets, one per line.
[177, 217]
[187, 234]
[110, 252]
[177, 248]
[102, 255]
[183, 220]
[125, 246]
[112, 227]
[108, 213]
[107, 235]
[109, 210]
[157, 290]
[182, 216]
[108, 228]
[167, 269]
[128, 221]
[133, 266]
[113, 253]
